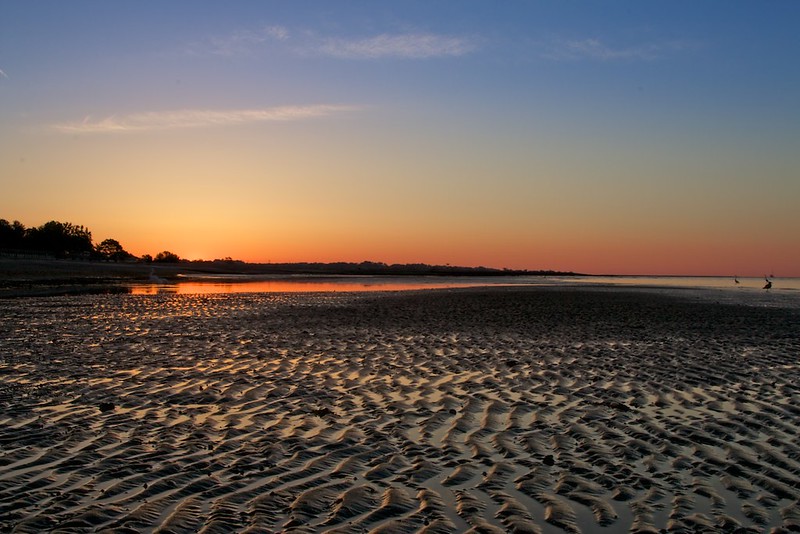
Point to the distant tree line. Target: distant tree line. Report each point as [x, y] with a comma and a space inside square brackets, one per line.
[67, 240]
[365, 268]
[370, 268]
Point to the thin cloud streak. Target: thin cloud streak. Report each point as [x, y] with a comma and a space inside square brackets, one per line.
[305, 43]
[198, 118]
[594, 49]
[406, 46]
[241, 42]
[245, 42]
[3, 74]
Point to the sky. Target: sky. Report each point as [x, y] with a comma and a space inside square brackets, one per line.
[621, 137]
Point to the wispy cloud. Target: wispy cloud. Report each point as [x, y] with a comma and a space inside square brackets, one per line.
[408, 45]
[3, 74]
[241, 42]
[594, 49]
[308, 43]
[197, 118]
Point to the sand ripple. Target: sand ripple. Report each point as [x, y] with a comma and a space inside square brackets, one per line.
[499, 410]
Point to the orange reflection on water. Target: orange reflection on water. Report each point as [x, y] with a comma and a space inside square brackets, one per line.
[284, 286]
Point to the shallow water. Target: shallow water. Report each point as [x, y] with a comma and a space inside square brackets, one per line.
[713, 282]
[784, 293]
[305, 284]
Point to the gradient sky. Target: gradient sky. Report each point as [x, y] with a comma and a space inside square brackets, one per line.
[601, 137]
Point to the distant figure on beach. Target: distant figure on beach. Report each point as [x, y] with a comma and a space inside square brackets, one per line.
[735, 279]
[768, 285]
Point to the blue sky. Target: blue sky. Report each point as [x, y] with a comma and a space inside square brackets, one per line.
[616, 136]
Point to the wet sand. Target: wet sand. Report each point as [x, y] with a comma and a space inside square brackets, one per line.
[496, 409]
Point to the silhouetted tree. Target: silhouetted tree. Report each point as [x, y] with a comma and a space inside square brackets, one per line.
[110, 249]
[147, 258]
[166, 257]
[12, 235]
[61, 239]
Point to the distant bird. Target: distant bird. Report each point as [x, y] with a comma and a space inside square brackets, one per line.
[156, 279]
[735, 279]
[768, 285]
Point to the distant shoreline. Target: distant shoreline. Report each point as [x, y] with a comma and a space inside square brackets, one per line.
[45, 277]
[39, 270]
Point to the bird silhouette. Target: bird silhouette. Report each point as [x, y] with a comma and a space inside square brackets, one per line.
[768, 285]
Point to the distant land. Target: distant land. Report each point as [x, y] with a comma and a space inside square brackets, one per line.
[365, 268]
[18, 268]
[65, 251]
[28, 276]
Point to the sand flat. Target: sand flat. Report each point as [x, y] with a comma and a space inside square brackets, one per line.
[498, 409]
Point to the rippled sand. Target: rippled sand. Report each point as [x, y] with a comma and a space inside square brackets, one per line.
[499, 410]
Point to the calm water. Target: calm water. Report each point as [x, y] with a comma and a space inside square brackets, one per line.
[303, 284]
[255, 284]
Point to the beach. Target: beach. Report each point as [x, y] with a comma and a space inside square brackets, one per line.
[549, 409]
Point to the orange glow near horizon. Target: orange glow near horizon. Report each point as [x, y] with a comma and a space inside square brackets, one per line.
[591, 250]
[435, 208]
[600, 249]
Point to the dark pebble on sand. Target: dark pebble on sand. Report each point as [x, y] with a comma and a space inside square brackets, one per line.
[106, 406]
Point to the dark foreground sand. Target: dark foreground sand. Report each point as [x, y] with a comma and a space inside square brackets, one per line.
[516, 410]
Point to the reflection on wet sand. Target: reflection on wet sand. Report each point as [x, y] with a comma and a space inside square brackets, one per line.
[290, 286]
